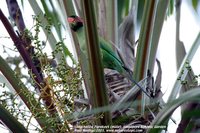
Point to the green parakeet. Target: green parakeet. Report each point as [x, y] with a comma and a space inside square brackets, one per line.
[109, 57]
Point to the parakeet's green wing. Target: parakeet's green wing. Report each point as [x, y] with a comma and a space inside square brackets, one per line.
[110, 58]
[109, 61]
[106, 46]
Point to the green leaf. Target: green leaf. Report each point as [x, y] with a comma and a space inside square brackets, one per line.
[11, 122]
[183, 70]
[123, 9]
[140, 10]
[195, 4]
[52, 15]
[157, 28]
[143, 50]
[164, 115]
[99, 90]
[171, 7]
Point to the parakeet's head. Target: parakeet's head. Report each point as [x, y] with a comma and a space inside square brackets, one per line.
[75, 22]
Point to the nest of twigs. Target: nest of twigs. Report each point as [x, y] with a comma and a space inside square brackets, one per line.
[118, 86]
[127, 118]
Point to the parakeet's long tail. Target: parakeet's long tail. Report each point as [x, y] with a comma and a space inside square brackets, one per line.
[130, 77]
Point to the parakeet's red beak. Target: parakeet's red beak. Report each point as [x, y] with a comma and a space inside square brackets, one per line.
[74, 19]
[71, 20]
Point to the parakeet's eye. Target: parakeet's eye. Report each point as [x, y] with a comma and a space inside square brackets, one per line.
[75, 22]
